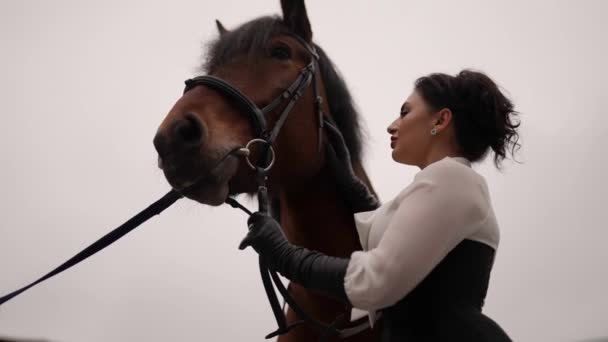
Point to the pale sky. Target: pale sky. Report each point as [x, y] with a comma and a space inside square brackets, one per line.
[85, 84]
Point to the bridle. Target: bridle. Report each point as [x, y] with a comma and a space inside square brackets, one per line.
[258, 115]
[264, 136]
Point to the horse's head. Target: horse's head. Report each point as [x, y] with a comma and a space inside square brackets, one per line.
[261, 58]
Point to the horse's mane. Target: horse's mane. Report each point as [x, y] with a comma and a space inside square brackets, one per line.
[254, 35]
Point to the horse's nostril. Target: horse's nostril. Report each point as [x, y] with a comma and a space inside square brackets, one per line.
[182, 135]
[189, 131]
[161, 145]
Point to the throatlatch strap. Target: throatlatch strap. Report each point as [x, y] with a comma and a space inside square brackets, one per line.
[154, 209]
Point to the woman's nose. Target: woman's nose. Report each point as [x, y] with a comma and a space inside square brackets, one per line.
[392, 128]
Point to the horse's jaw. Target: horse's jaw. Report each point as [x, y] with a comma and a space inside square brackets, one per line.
[213, 194]
[211, 189]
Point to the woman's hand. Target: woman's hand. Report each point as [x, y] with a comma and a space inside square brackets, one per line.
[264, 234]
[312, 269]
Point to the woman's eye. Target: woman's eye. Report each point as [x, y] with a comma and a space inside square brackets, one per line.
[402, 113]
[280, 52]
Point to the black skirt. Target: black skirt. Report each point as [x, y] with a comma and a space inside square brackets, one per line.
[447, 304]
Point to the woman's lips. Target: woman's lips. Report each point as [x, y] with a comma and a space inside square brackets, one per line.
[393, 142]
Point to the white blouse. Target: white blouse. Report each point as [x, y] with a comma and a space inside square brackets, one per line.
[405, 238]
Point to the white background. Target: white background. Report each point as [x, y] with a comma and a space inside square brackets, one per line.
[85, 84]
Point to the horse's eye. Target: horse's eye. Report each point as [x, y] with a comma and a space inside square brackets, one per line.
[280, 52]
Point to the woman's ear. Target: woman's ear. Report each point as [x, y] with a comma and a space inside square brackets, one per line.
[296, 19]
[444, 116]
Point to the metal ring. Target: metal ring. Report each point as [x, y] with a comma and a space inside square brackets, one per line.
[267, 168]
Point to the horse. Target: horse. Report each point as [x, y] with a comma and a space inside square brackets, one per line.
[313, 198]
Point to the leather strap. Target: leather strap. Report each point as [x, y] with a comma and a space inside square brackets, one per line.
[154, 209]
[225, 88]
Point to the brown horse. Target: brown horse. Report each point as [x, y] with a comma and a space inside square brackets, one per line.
[261, 58]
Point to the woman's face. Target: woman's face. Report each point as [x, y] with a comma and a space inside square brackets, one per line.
[411, 131]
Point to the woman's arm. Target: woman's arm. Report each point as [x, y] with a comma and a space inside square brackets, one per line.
[312, 269]
[439, 210]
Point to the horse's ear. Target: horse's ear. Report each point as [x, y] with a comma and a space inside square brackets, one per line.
[296, 19]
[222, 30]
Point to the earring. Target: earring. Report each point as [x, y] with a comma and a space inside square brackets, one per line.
[433, 131]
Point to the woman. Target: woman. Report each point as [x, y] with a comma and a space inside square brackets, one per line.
[427, 253]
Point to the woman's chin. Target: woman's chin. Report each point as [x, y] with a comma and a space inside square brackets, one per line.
[399, 157]
[394, 155]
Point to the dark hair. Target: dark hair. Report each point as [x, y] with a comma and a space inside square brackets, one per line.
[482, 115]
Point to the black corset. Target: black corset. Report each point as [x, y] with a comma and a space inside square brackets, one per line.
[446, 305]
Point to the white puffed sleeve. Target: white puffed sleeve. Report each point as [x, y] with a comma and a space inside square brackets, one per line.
[437, 211]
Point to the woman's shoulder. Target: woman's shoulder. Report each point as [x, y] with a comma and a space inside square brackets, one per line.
[451, 172]
[462, 190]
[456, 184]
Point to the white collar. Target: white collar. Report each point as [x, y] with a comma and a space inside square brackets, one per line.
[461, 160]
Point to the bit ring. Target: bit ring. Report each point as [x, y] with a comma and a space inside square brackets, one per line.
[267, 168]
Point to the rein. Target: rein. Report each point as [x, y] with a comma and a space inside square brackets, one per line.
[154, 209]
[265, 137]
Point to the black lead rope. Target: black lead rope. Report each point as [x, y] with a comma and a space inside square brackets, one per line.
[154, 209]
[270, 276]
[265, 272]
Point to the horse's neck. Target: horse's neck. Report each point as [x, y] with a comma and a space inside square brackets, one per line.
[314, 216]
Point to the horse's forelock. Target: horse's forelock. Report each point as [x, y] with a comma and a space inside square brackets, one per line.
[246, 39]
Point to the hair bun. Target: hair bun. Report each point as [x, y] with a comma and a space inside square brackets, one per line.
[482, 114]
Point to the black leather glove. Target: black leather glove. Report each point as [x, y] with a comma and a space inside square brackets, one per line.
[355, 193]
[313, 270]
